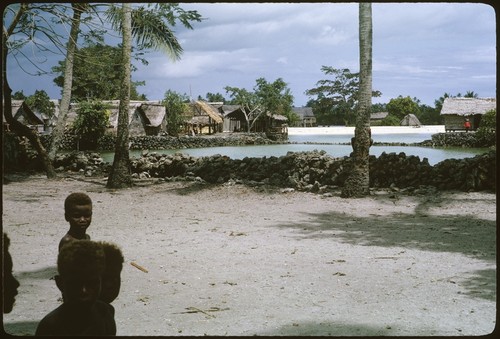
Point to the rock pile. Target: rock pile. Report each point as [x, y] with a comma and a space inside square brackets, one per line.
[313, 171]
[461, 139]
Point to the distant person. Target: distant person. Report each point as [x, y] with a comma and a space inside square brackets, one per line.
[80, 266]
[111, 279]
[10, 283]
[467, 125]
[78, 212]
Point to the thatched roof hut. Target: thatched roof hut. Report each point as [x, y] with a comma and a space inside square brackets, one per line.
[25, 115]
[468, 106]
[456, 110]
[204, 116]
[410, 120]
[153, 117]
[306, 116]
[203, 108]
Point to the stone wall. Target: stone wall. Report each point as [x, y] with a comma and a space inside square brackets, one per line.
[306, 171]
[461, 139]
[310, 171]
[107, 143]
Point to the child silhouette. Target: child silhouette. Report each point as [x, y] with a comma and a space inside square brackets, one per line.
[80, 265]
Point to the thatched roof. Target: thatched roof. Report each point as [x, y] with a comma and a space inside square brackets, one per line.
[228, 109]
[23, 113]
[468, 106]
[378, 115]
[208, 110]
[154, 114]
[410, 120]
[278, 117]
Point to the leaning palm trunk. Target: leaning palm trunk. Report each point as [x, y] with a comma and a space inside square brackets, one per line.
[57, 133]
[358, 182]
[120, 175]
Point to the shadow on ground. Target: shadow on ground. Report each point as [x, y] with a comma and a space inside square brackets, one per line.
[328, 329]
[44, 273]
[467, 235]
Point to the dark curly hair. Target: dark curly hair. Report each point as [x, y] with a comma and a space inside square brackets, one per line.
[113, 254]
[77, 198]
[81, 257]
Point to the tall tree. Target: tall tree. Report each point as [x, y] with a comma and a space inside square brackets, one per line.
[58, 132]
[357, 183]
[120, 175]
[149, 25]
[96, 73]
[19, 16]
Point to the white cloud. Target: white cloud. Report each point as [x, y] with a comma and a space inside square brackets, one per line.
[419, 49]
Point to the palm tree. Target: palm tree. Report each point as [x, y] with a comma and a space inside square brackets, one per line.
[358, 182]
[120, 176]
[57, 133]
[147, 25]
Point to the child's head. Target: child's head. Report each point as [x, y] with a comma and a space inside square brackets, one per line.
[111, 280]
[9, 281]
[80, 265]
[78, 211]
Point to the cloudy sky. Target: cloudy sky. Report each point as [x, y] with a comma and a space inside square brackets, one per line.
[419, 50]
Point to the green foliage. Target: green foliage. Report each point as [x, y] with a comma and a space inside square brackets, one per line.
[489, 120]
[429, 115]
[336, 99]
[40, 101]
[273, 97]
[390, 120]
[96, 74]
[378, 107]
[18, 95]
[401, 106]
[486, 133]
[175, 104]
[91, 123]
[217, 97]
[151, 25]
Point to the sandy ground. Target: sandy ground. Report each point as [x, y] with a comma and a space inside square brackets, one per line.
[233, 260]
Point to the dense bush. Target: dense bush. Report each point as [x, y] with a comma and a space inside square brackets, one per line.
[91, 123]
[486, 133]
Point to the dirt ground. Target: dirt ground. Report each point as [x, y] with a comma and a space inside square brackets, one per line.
[232, 260]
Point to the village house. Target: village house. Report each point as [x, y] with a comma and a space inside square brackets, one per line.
[35, 120]
[377, 117]
[456, 110]
[306, 117]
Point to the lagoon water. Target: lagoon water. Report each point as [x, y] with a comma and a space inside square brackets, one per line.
[329, 139]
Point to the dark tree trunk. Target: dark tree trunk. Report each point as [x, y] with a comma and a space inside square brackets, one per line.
[357, 183]
[17, 127]
[120, 175]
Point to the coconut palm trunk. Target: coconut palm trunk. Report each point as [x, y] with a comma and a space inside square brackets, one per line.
[120, 175]
[357, 183]
[58, 132]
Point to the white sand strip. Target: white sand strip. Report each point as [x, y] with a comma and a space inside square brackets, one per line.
[375, 130]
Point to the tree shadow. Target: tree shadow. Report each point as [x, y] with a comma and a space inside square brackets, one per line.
[44, 273]
[468, 235]
[482, 284]
[327, 329]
